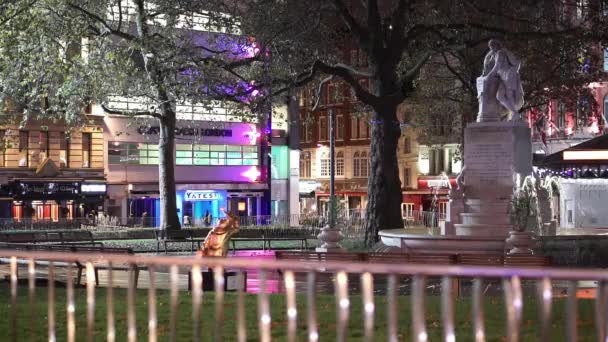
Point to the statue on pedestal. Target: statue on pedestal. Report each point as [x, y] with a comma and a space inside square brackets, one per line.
[216, 242]
[499, 88]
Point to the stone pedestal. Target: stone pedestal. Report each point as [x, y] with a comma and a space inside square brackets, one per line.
[494, 153]
[330, 238]
[519, 242]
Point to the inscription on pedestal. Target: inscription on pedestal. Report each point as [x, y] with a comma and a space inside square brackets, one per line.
[489, 161]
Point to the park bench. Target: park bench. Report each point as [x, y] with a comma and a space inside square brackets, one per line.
[78, 249]
[71, 237]
[480, 259]
[519, 260]
[165, 237]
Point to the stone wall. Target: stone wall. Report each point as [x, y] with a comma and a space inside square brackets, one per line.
[575, 251]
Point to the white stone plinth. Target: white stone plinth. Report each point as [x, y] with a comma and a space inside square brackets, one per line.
[494, 152]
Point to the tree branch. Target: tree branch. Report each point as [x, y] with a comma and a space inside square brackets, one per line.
[353, 25]
[319, 89]
[104, 23]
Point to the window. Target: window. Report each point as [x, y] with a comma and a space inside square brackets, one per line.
[407, 145]
[353, 57]
[606, 55]
[132, 153]
[360, 164]
[561, 115]
[605, 109]
[305, 165]
[324, 128]
[354, 128]
[216, 155]
[407, 210]
[307, 129]
[363, 129]
[280, 162]
[339, 127]
[334, 93]
[86, 149]
[324, 165]
[43, 142]
[340, 164]
[407, 176]
[64, 150]
[2, 148]
[23, 149]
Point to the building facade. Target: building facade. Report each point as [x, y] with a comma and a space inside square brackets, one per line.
[352, 134]
[218, 166]
[50, 172]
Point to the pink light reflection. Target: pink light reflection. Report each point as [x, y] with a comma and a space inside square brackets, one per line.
[252, 174]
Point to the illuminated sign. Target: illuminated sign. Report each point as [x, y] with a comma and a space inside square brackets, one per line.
[85, 188]
[201, 195]
[586, 155]
[188, 131]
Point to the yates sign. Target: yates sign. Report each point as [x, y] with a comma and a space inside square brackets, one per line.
[188, 131]
[193, 195]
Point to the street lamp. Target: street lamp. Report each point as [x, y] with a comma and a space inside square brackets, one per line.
[331, 236]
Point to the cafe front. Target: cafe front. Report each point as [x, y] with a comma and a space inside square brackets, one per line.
[53, 199]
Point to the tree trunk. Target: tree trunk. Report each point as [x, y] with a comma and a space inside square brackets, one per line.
[166, 173]
[384, 187]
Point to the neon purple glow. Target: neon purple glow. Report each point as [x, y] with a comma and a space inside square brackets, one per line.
[252, 174]
[252, 135]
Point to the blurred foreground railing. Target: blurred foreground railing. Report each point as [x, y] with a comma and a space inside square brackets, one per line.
[367, 272]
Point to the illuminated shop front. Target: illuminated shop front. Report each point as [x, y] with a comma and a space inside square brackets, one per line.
[217, 167]
[53, 200]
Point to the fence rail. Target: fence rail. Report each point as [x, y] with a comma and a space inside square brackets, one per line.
[156, 265]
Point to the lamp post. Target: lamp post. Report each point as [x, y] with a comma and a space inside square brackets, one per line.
[331, 236]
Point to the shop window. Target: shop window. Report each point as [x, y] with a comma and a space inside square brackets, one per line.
[132, 153]
[280, 162]
[305, 165]
[23, 149]
[64, 150]
[86, 150]
[215, 155]
[340, 127]
[407, 210]
[340, 164]
[324, 128]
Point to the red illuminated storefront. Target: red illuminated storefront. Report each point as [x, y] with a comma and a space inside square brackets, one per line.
[431, 195]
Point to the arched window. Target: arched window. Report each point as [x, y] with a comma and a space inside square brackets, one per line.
[340, 164]
[324, 165]
[364, 164]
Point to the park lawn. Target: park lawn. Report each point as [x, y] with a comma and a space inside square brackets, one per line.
[494, 309]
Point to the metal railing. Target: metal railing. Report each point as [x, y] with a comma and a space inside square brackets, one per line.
[429, 219]
[342, 273]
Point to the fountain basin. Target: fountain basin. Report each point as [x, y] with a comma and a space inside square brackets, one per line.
[432, 244]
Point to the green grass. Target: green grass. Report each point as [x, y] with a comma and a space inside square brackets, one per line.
[494, 309]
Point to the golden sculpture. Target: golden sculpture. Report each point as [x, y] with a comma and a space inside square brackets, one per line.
[217, 241]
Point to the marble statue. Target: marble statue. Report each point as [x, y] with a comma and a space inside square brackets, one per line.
[499, 88]
[216, 242]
